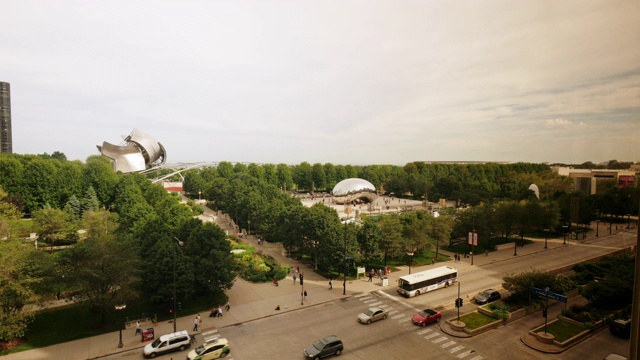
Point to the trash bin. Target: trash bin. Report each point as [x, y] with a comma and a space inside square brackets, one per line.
[385, 281]
[148, 334]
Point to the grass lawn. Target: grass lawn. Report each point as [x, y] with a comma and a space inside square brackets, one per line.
[475, 320]
[562, 330]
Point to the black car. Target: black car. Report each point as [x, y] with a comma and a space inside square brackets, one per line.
[487, 296]
[329, 345]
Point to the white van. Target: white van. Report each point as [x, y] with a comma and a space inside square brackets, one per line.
[166, 343]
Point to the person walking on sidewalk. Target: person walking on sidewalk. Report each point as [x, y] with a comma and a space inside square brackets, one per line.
[370, 276]
[294, 279]
[330, 284]
[138, 328]
[195, 324]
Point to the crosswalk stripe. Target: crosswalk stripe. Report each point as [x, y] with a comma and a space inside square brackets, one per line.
[375, 303]
[397, 316]
[439, 340]
[446, 345]
[477, 358]
[465, 354]
[209, 332]
[361, 295]
[393, 312]
[431, 335]
[370, 301]
[456, 349]
[423, 331]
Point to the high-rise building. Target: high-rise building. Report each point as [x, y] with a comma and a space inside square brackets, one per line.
[5, 118]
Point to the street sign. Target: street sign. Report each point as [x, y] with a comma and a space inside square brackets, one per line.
[549, 294]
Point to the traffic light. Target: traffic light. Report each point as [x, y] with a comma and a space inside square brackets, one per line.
[459, 302]
[301, 279]
[544, 313]
[179, 306]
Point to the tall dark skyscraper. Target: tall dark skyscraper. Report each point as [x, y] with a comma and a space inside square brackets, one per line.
[5, 118]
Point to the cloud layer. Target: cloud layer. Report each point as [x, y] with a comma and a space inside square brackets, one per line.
[355, 82]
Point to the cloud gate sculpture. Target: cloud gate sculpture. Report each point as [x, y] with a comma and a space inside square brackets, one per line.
[139, 151]
[353, 189]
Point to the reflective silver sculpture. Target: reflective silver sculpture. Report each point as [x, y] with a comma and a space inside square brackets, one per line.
[352, 189]
[140, 151]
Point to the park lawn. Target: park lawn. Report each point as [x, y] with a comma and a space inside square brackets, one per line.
[562, 330]
[476, 319]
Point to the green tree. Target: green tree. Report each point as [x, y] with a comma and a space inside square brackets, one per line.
[303, 176]
[54, 226]
[106, 272]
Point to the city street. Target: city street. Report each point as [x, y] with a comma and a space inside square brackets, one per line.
[256, 330]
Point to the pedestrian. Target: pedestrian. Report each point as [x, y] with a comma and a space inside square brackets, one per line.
[294, 279]
[433, 261]
[370, 276]
[195, 324]
[297, 268]
[228, 306]
[486, 252]
[219, 310]
[305, 294]
[138, 328]
[330, 284]
[277, 307]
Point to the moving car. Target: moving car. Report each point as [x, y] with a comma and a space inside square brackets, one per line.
[211, 349]
[372, 314]
[487, 296]
[176, 341]
[426, 316]
[329, 345]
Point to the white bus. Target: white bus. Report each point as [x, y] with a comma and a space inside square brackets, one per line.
[419, 283]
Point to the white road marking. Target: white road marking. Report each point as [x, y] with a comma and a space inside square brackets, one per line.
[439, 340]
[446, 345]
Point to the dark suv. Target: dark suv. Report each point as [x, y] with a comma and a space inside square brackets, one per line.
[487, 296]
[326, 346]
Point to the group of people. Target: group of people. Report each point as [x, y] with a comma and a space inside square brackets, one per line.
[380, 273]
[217, 311]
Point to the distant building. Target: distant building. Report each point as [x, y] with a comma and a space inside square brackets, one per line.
[6, 145]
[586, 180]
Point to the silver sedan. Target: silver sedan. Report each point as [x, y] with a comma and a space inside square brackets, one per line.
[372, 314]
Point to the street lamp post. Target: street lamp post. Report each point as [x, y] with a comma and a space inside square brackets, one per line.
[174, 284]
[564, 227]
[597, 227]
[344, 262]
[410, 253]
[546, 236]
[546, 308]
[120, 307]
[515, 248]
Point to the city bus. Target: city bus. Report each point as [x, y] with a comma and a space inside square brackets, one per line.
[421, 282]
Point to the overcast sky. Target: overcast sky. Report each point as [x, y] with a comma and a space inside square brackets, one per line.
[345, 82]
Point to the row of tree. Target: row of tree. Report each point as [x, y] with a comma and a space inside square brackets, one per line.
[131, 245]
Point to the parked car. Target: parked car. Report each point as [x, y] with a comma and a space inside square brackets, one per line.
[426, 316]
[372, 314]
[329, 345]
[211, 349]
[487, 296]
[176, 341]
